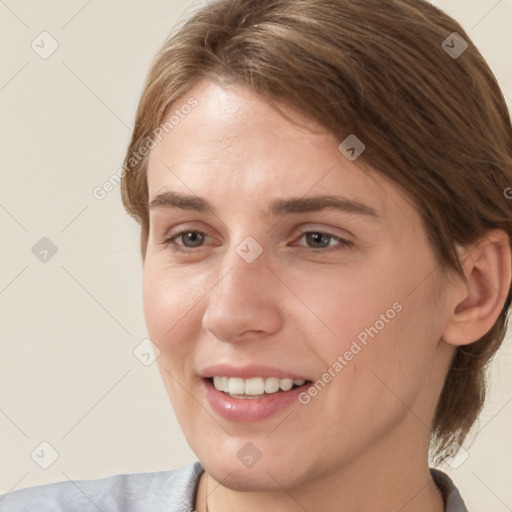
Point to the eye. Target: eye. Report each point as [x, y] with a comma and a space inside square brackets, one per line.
[319, 240]
[316, 241]
[190, 239]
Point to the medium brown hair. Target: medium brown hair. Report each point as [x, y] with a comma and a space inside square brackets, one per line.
[434, 123]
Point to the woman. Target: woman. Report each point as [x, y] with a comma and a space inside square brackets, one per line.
[325, 237]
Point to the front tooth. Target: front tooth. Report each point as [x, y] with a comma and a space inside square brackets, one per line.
[236, 386]
[271, 385]
[217, 382]
[286, 384]
[254, 386]
[224, 382]
[299, 382]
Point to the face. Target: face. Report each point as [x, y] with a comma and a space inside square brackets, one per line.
[271, 259]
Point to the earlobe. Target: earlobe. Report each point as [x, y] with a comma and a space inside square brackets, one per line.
[478, 301]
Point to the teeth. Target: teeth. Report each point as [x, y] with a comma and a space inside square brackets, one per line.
[271, 385]
[255, 385]
[286, 384]
[220, 383]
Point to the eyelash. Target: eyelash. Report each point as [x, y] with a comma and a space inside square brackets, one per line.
[343, 244]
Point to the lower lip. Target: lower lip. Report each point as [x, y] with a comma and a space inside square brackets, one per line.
[249, 409]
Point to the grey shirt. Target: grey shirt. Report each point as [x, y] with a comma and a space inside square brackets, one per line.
[161, 491]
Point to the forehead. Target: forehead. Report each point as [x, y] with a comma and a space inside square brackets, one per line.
[233, 141]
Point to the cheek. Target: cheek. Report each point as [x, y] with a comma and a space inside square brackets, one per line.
[171, 299]
[379, 320]
[348, 300]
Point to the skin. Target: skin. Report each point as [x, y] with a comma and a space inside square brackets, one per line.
[362, 442]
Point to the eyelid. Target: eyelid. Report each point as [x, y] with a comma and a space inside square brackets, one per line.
[183, 227]
[327, 230]
[342, 244]
[317, 231]
[170, 237]
[298, 231]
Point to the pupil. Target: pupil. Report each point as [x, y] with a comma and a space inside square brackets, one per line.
[318, 238]
[194, 237]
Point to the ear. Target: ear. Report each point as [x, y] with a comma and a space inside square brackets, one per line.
[479, 299]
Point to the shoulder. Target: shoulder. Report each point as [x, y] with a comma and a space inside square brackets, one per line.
[158, 491]
[452, 498]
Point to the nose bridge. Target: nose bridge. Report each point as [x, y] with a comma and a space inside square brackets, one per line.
[244, 275]
[242, 298]
[244, 265]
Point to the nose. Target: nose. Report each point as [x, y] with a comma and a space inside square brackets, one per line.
[244, 301]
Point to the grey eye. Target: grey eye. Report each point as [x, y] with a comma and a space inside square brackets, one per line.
[318, 239]
[192, 238]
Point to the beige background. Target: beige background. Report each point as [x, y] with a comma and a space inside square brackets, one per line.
[68, 375]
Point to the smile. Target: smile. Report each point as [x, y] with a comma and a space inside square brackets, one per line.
[255, 403]
[256, 387]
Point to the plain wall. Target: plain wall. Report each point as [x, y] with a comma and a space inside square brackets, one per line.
[68, 375]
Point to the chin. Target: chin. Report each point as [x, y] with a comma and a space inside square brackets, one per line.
[256, 479]
[271, 472]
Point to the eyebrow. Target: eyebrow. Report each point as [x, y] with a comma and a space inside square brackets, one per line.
[170, 199]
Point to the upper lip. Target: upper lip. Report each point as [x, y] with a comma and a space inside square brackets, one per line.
[248, 372]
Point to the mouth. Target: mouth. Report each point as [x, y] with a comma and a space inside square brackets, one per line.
[254, 399]
[255, 387]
